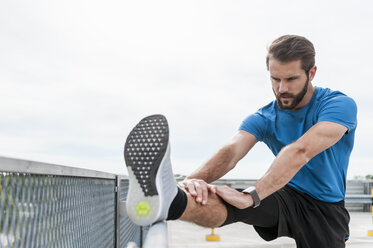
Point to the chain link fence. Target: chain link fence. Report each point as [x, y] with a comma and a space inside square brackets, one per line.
[69, 208]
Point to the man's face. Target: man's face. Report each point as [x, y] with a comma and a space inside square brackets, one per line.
[289, 83]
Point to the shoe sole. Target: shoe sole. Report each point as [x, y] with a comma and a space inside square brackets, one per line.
[144, 150]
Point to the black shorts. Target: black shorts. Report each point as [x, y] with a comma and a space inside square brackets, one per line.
[291, 213]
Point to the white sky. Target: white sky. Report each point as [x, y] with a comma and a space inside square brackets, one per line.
[77, 75]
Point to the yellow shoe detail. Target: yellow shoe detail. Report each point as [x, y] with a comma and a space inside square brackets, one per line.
[143, 209]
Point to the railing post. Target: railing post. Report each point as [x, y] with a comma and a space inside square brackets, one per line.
[120, 209]
[117, 211]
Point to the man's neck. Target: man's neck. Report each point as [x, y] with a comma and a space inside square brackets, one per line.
[307, 97]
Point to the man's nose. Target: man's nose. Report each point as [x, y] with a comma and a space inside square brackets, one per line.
[283, 88]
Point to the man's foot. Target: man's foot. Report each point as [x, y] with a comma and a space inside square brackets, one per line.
[152, 186]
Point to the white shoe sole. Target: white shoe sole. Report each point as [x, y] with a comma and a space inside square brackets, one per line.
[152, 186]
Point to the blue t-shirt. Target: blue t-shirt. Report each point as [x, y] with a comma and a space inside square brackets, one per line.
[324, 176]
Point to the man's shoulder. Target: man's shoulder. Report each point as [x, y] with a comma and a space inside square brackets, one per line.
[327, 98]
[268, 109]
[261, 116]
[337, 107]
[327, 94]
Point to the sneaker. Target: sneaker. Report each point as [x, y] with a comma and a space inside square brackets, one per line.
[152, 186]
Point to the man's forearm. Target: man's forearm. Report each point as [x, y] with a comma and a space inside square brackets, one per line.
[287, 163]
[216, 167]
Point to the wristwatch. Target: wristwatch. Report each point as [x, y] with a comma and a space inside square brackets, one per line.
[252, 191]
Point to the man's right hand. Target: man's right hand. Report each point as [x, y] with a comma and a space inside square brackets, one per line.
[217, 166]
[198, 188]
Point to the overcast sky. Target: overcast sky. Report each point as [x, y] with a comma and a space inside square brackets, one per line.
[77, 75]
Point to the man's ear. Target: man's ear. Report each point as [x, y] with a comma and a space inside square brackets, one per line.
[312, 72]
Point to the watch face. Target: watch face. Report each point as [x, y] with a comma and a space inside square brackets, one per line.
[252, 191]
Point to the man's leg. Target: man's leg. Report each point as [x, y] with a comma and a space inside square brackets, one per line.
[217, 213]
[153, 193]
[213, 214]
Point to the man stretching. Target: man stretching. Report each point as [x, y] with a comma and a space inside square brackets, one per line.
[309, 129]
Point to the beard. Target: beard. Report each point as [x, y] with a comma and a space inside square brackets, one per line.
[296, 98]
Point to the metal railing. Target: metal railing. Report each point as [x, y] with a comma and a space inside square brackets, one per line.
[358, 193]
[46, 205]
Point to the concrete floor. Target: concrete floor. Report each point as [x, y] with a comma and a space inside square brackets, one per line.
[238, 235]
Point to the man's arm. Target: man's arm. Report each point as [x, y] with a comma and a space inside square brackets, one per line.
[226, 158]
[288, 162]
[218, 165]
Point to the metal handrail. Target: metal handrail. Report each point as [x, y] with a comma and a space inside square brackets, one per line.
[31, 167]
[359, 199]
[157, 236]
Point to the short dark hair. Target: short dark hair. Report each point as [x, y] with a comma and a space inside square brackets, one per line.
[289, 48]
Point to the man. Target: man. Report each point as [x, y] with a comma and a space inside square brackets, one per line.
[309, 129]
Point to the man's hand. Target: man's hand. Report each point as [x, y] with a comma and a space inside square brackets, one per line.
[198, 188]
[234, 197]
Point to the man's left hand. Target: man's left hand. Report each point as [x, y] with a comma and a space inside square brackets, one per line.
[234, 197]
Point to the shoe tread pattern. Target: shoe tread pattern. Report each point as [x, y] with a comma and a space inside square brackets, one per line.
[144, 150]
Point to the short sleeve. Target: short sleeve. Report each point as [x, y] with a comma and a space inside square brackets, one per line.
[256, 125]
[340, 109]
